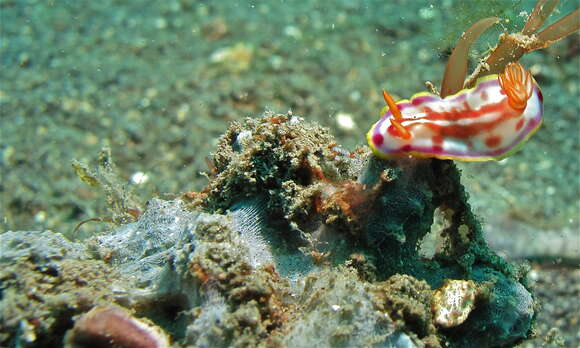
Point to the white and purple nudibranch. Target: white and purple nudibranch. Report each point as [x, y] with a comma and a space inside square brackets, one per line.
[490, 121]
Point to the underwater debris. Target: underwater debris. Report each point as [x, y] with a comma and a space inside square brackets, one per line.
[456, 68]
[114, 326]
[124, 206]
[510, 49]
[236, 59]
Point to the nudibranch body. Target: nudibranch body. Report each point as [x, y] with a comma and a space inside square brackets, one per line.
[487, 122]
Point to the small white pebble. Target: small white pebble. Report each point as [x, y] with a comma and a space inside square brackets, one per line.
[503, 161]
[220, 55]
[345, 121]
[139, 178]
[40, 216]
[536, 69]
[546, 164]
[182, 112]
[160, 23]
[294, 120]
[355, 96]
[335, 307]
[293, 32]
[424, 55]
[276, 62]
[427, 13]
[533, 275]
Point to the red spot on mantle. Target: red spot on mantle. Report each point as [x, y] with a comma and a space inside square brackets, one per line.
[437, 139]
[406, 148]
[493, 141]
[520, 124]
[378, 139]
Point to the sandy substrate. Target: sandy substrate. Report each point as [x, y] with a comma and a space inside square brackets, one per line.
[557, 290]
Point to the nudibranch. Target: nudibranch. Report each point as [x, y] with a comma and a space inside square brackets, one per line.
[490, 121]
[481, 118]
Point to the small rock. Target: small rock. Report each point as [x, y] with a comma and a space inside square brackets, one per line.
[110, 326]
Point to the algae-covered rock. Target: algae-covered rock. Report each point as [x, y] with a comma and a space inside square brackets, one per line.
[294, 243]
[41, 247]
[338, 310]
[140, 249]
[278, 155]
[45, 280]
[326, 202]
[407, 300]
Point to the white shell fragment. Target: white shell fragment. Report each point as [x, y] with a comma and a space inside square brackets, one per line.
[345, 121]
[453, 302]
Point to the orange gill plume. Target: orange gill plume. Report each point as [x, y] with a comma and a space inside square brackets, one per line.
[517, 84]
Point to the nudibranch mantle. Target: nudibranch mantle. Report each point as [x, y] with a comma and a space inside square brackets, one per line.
[486, 122]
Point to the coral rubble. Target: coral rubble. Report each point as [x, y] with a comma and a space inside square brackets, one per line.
[45, 280]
